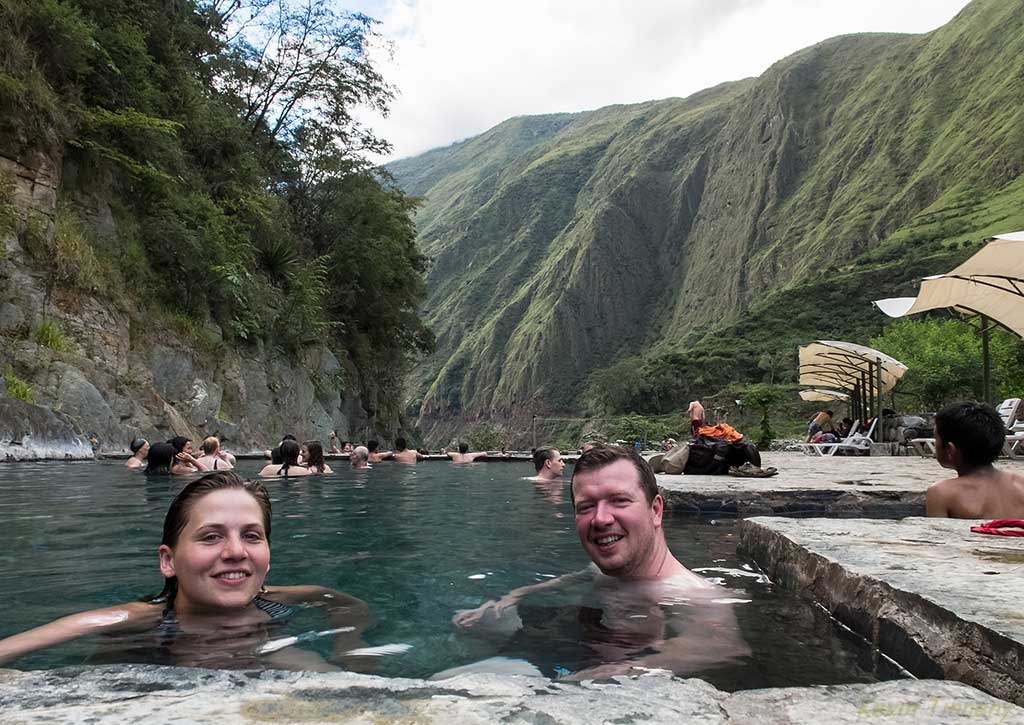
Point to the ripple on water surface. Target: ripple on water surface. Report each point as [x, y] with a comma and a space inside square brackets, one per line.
[417, 543]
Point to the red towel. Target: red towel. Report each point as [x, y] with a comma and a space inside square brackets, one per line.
[1001, 527]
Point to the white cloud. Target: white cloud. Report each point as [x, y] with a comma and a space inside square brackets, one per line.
[463, 66]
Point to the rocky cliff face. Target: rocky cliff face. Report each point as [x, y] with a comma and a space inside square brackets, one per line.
[117, 375]
[561, 244]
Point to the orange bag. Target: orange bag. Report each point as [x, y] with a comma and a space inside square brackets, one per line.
[721, 430]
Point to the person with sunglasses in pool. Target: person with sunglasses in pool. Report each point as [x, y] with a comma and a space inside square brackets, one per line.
[214, 610]
[655, 612]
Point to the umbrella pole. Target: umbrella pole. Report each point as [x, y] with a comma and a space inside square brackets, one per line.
[986, 377]
[878, 380]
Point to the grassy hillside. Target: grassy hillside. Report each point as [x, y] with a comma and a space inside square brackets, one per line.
[691, 237]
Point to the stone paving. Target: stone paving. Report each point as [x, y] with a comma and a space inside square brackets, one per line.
[940, 600]
[148, 694]
[837, 485]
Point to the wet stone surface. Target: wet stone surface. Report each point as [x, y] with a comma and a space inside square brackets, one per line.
[940, 600]
[147, 694]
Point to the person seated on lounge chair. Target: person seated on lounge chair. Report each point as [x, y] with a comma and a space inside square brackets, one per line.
[845, 426]
[819, 423]
[968, 438]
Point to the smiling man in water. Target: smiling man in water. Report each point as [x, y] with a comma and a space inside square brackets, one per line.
[656, 612]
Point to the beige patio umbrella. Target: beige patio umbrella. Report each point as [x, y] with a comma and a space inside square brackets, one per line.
[864, 372]
[823, 395]
[989, 284]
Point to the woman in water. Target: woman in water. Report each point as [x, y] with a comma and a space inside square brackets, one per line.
[214, 610]
[184, 456]
[164, 459]
[140, 449]
[289, 463]
[313, 457]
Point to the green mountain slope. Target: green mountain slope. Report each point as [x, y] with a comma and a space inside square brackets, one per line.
[706, 231]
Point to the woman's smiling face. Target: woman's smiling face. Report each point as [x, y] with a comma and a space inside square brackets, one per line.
[222, 554]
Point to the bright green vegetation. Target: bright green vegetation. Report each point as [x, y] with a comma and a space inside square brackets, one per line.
[16, 387]
[215, 175]
[635, 257]
[50, 334]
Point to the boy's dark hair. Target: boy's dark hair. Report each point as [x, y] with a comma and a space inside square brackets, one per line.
[400, 444]
[372, 446]
[605, 455]
[976, 429]
[540, 456]
[463, 448]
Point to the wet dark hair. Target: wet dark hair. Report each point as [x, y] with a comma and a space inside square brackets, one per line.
[540, 456]
[160, 458]
[177, 517]
[290, 450]
[179, 443]
[372, 446]
[316, 455]
[289, 437]
[976, 429]
[463, 448]
[602, 456]
[136, 445]
[829, 413]
[400, 444]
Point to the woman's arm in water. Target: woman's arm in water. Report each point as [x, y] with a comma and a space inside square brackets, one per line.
[111, 619]
[467, 618]
[343, 612]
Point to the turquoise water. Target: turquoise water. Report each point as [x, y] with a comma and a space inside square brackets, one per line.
[415, 542]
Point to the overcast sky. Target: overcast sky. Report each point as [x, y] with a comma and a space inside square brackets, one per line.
[463, 66]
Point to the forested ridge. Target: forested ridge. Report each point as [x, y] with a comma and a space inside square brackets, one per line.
[210, 170]
[630, 258]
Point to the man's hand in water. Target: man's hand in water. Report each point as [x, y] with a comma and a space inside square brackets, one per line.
[467, 618]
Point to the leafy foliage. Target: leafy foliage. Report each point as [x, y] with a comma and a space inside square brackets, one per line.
[223, 135]
[50, 334]
[17, 387]
[944, 361]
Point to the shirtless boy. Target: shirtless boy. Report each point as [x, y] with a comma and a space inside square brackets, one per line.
[696, 413]
[405, 455]
[464, 456]
[968, 438]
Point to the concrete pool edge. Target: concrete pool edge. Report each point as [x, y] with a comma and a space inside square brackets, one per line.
[917, 589]
[149, 693]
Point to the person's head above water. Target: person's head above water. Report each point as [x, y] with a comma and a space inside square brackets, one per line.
[210, 445]
[548, 462]
[400, 444]
[215, 549]
[359, 457]
[968, 435]
[313, 455]
[160, 458]
[139, 447]
[463, 448]
[372, 446]
[181, 444]
[290, 453]
[619, 514]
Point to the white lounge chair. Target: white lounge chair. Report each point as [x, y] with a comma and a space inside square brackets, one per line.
[1010, 410]
[854, 441]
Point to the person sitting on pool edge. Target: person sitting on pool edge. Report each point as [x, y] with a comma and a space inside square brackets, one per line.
[290, 466]
[619, 523]
[140, 449]
[405, 455]
[548, 463]
[464, 456]
[968, 439]
[214, 609]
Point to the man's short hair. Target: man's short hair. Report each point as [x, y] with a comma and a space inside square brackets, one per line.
[976, 429]
[288, 437]
[400, 444]
[603, 456]
[828, 413]
[372, 446]
[541, 455]
[463, 448]
[210, 445]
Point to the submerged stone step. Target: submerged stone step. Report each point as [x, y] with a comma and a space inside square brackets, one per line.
[940, 600]
[151, 694]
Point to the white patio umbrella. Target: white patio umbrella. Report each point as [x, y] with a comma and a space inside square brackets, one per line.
[823, 395]
[989, 284]
[864, 372]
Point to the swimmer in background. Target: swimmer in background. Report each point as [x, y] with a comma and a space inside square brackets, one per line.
[464, 456]
[406, 455]
[360, 457]
[376, 456]
[548, 463]
[290, 466]
[214, 610]
[312, 455]
[655, 612]
[184, 457]
[332, 442]
[968, 439]
[140, 449]
[215, 458]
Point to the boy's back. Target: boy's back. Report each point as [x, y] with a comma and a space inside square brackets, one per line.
[978, 496]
